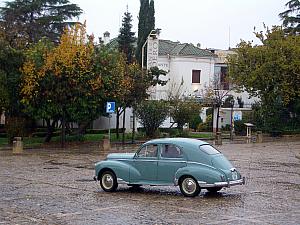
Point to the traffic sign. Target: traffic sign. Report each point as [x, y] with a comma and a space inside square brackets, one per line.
[110, 107]
[237, 116]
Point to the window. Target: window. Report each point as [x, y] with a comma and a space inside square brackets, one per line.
[148, 151]
[171, 151]
[196, 76]
[209, 149]
[223, 78]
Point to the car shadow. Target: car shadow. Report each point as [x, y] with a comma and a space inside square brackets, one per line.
[172, 191]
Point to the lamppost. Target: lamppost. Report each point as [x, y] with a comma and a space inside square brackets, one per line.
[231, 118]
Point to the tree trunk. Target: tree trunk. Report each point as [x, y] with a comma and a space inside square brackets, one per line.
[124, 119]
[118, 123]
[63, 131]
[50, 130]
[218, 115]
[133, 127]
[82, 127]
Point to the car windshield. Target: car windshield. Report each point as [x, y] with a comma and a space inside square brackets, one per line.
[208, 149]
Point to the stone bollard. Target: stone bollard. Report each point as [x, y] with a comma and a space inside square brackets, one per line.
[17, 145]
[259, 137]
[218, 140]
[105, 143]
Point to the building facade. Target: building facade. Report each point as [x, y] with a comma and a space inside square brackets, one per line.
[189, 68]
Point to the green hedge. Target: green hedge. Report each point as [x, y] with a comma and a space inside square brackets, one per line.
[43, 134]
[96, 131]
[3, 135]
[291, 132]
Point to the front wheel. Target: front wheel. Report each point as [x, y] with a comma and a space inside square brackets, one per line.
[108, 181]
[189, 187]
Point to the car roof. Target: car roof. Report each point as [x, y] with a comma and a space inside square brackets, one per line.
[178, 141]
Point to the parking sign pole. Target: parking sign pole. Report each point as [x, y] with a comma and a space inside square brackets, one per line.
[110, 108]
[109, 127]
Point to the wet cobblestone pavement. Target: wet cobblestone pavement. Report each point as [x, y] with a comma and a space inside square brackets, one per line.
[55, 186]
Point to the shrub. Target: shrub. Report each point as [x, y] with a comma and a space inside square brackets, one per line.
[196, 120]
[152, 114]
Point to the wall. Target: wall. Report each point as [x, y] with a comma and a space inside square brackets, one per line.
[180, 69]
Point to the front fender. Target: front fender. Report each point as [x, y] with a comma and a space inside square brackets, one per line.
[201, 172]
[123, 170]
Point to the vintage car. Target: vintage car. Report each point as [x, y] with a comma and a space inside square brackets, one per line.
[192, 164]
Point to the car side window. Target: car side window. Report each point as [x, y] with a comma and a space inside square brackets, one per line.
[148, 151]
[171, 151]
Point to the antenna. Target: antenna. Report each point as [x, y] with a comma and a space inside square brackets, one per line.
[229, 37]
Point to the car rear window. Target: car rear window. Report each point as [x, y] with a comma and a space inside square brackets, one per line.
[208, 149]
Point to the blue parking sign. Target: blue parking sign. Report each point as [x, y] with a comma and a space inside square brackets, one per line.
[110, 107]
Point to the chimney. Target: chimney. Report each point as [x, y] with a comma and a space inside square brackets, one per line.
[106, 38]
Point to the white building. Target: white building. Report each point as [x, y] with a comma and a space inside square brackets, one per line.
[187, 65]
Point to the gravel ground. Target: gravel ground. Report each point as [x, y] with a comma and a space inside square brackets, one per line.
[55, 186]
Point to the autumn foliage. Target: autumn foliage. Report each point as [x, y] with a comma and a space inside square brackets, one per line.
[71, 81]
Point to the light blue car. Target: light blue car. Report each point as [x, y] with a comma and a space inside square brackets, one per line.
[192, 164]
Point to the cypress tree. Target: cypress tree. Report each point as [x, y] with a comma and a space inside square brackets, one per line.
[146, 24]
[151, 17]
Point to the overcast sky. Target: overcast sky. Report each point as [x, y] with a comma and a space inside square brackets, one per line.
[209, 22]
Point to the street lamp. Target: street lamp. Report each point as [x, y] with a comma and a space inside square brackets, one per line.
[231, 118]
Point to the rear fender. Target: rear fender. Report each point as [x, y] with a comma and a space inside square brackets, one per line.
[201, 172]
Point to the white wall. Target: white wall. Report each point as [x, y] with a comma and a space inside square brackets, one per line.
[104, 123]
[180, 68]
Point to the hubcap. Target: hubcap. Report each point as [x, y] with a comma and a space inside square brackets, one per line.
[189, 185]
[107, 181]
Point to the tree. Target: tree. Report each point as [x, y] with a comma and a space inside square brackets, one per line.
[60, 83]
[214, 94]
[117, 81]
[291, 17]
[126, 39]
[145, 26]
[152, 114]
[184, 111]
[10, 61]
[270, 71]
[27, 21]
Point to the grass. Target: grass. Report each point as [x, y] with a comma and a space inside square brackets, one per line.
[38, 141]
[201, 135]
[3, 141]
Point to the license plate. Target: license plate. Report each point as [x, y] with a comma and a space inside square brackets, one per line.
[234, 175]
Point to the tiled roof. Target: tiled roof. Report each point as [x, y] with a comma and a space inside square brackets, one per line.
[167, 47]
[177, 49]
[113, 43]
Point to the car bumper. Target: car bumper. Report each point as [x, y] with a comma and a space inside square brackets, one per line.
[222, 184]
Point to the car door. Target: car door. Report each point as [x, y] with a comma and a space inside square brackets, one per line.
[171, 158]
[145, 162]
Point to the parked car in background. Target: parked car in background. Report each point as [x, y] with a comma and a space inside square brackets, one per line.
[192, 164]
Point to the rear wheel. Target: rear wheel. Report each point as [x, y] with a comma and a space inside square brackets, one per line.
[189, 187]
[213, 189]
[108, 181]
